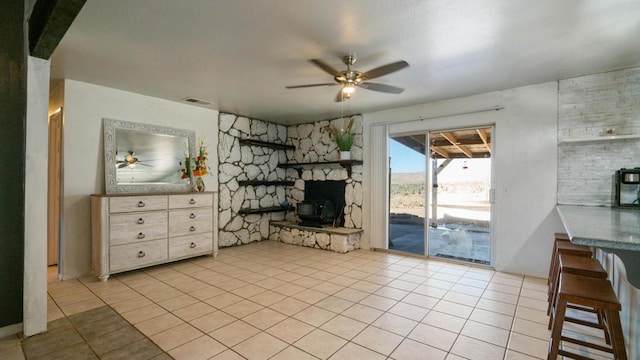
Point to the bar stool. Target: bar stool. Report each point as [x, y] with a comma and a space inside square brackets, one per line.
[566, 248]
[558, 237]
[576, 265]
[588, 292]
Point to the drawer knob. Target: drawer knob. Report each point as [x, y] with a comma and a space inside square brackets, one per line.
[140, 221]
[141, 203]
[192, 216]
[141, 236]
[193, 228]
[193, 245]
[141, 254]
[192, 201]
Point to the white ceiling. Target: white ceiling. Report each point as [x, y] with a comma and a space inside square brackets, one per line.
[240, 54]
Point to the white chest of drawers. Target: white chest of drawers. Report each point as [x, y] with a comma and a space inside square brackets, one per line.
[134, 231]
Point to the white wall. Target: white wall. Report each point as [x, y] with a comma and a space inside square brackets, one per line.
[85, 105]
[524, 160]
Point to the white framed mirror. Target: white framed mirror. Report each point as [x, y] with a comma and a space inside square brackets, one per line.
[145, 158]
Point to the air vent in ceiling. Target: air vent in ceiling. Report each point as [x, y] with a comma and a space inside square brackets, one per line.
[196, 101]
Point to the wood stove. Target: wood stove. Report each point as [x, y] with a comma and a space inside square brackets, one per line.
[323, 204]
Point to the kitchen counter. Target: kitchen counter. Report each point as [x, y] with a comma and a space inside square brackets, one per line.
[614, 230]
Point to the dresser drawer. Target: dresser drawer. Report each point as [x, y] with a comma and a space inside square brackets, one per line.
[133, 256]
[137, 203]
[190, 245]
[136, 227]
[190, 221]
[190, 200]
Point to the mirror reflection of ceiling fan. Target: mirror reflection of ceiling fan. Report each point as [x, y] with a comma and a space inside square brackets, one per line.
[349, 79]
[129, 161]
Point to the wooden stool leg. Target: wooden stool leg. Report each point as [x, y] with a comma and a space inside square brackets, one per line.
[556, 333]
[615, 331]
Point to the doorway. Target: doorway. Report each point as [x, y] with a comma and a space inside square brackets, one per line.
[54, 192]
[440, 195]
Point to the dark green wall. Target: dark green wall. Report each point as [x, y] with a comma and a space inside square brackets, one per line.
[12, 155]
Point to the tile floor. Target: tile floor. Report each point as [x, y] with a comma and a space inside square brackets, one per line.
[270, 300]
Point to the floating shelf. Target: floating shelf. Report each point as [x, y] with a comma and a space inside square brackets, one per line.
[265, 182]
[266, 144]
[343, 163]
[591, 139]
[261, 210]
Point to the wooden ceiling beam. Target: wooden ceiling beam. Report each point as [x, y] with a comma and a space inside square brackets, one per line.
[440, 152]
[485, 139]
[452, 139]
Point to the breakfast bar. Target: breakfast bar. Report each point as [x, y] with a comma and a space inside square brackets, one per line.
[613, 230]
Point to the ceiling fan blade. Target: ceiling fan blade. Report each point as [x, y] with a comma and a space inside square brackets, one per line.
[385, 69]
[324, 66]
[381, 87]
[309, 85]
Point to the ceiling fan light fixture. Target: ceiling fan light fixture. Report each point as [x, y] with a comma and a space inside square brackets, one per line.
[348, 89]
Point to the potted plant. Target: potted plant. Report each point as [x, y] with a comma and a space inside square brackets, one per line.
[343, 138]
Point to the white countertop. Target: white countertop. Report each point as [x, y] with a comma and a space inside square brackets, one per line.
[602, 227]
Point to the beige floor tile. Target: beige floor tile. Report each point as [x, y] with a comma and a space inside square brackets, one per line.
[270, 283]
[314, 315]
[362, 313]
[328, 288]
[12, 353]
[264, 318]
[212, 321]
[500, 296]
[484, 332]
[379, 279]
[496, 306]
[344, 327]
[530, 328]
[508, 289]
[206, 292]
[178, 302]
[310, 296]
[538, 316]
[288, 289]
[471, 282]
[158, 324]
[335, 304]
[144, 313]
[260, 347]
[492, 318]
[223, 300]
[307, 282]
[529, 345]
[445, 277]
[533, 303]
[194, 311]
[378, 302]
[232, 284]
[515, 282]
[473, 349]
[366, 286]
[392, 293]
[242, 308]
[452, 308]
[320, 343]
[351, 294]
[444, 321]
[201, 348]
[164, 294]
[534, 294]
[343, 280]
[290, 330]
[403, 285]
[514, 355]
[370, 338]
[433, 336]
[460, 298]
[234, 333]
[352, 351]
[395, 324]
[430, 291]
[292, 353]
[176, 336]
[438, 284]
[422, 301]
[228, 355]
[409, 311]
[248, 291]
[267, 298]
[82, 306]
[289, 306]
[413, 350]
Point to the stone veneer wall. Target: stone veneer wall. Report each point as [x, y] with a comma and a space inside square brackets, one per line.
[313, 144]
[240, 162]
[588, 105]
[236, 163]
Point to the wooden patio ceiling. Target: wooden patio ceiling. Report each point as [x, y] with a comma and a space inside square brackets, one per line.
[459, 144]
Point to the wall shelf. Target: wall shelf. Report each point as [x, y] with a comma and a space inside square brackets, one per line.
[250, 142]
[592, 139]
[347, 164]
[265, 182]
[264, 210]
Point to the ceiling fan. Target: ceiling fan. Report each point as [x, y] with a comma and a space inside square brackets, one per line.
[129, 161]
[349, 79]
